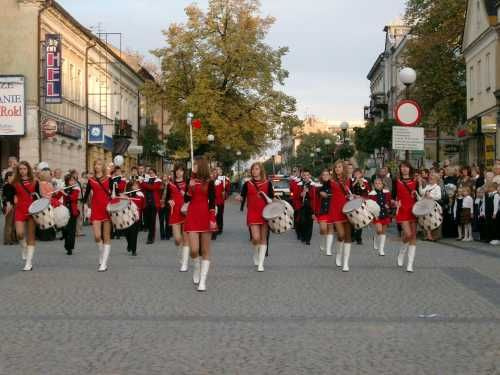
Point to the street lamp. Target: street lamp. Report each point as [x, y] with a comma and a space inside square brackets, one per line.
[327, 142]
[189, 122]
[408, 77]
[318, 150]
[238, 154]
[210, 139]
[344, 127]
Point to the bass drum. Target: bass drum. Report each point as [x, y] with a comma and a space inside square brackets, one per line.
[279, 215]
[123, 214]
[61, 216]
[358, 214]
[42, 213]
[429, 214]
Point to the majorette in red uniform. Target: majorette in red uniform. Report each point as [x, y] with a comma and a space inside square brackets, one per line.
[406, 196]
[201, 220]
[322, 194]
[383, 198]
[175, 192]
[25, 191]
[340, 196]
[101, 197]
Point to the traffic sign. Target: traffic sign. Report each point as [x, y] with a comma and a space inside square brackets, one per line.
[408, 113]
[408, 138]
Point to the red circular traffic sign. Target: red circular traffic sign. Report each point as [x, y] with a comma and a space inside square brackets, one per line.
[408, 113]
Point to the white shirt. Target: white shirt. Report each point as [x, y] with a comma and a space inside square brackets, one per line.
[433, 191]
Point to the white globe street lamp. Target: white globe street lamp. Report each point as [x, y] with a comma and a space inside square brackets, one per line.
[318, 150]
[327, 142]
[344, 126]
[211, 138]
[238, 153]
[407, 76]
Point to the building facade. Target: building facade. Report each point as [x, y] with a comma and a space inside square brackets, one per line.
[97, 87]
[481, 50]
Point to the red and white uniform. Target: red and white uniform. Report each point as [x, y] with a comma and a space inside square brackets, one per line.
[101, 197]
[152, 186]
[24, 194]
[406, 195]
[70, 200]
[175, 192]
[340, 196]
[295, 191]
[222, 190]
[384, 200]
[200, 216]
[317, 200]
[138, 199]
[255, 201]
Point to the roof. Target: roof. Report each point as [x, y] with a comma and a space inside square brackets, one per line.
[58, 7]
[379, 60]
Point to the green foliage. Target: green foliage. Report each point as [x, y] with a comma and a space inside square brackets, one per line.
[345, 152]
[151, 142]
[434, 52]
[218, 66]
[320, 160]
[374, 136]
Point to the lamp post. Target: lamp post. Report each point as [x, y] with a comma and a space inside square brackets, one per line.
[211, 140]
[189, 121]
[238, 155]
[408, 76]
[328, 142]
[344, 127]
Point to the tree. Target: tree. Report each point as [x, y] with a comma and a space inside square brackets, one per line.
[308, 155]
[434, 52]
[374, 136]
[151, 142]
[218, 66]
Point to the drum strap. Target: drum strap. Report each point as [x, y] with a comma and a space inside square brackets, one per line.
[258, 190]
[342, 187]
[407, 187]
[37, 188]
[102, 186]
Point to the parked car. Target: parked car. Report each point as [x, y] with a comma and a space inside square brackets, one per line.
[281, 186]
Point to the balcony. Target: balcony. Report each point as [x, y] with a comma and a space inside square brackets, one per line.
[122, 129]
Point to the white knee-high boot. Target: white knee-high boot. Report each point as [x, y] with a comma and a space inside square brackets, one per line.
[30, 251]
[339, 253]
[329, 244]
[346, 255]
[402, 254]
[106, 249]
[24, 248]
[256, 255]
[196, 270]
[262, 257]
[323, 243]
[411, 257]
[205, 266]
[185, 259]
[381, 244]
[100, 247]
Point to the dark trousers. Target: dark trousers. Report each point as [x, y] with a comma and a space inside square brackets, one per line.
[163, 217]
[150, 222]
[131, 236]
[357, 235]
[305, 224]
[69, 234]
[220, 217]
[297, 223]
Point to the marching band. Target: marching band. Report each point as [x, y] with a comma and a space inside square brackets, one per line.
[340, 202]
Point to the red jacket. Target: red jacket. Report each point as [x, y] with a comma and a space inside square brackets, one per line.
[222, 190]
[295, 191]
[71, 201]
[152, 189]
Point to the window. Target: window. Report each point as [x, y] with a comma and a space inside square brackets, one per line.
[479, 84]
[78, 92]
[488, 72]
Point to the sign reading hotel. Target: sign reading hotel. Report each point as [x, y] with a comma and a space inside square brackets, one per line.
[53, 64]
[407, 138]
[12, 113]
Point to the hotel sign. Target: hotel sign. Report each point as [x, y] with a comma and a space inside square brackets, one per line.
[53, 65]
[12, 111]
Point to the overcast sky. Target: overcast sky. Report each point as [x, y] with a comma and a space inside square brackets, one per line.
[333, 43]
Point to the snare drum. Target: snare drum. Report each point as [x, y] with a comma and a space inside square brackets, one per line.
[373, 207]
[123, 214]
[61, 216]
[358, 213]
[429, 214]
[279, 215]
[43, 213]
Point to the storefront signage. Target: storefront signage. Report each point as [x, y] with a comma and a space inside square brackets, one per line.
[12, 110]
[408, 138]
[53, 64]
[95, 134]
[49, 127]
[70, 131]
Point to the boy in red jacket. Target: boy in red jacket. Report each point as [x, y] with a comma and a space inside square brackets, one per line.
[71, 198]
[151, 187]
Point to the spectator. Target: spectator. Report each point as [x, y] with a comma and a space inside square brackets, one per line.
[8, 194]
[11, 166]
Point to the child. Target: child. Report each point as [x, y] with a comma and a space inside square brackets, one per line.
[383, 198]
[466, 214]
[491, 199]
[71, 198]
[132, 232]
[457, 209]
[479, 213]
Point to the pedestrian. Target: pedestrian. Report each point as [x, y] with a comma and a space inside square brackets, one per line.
[255, 193]
[164, 210]
[201, 220]
[430, 189]
[8, 208]
[466, 214]
[322, 195]
[176, 190]
[340, 185]
[306, 211]
[11, 167]
[26, 186]
[131, 233]
[71, 198]
[382, 197]
[491, 204]
[457, 210]
[295, 179]
[406, 196]
[151, 187]
[479, 224]
[100, 187]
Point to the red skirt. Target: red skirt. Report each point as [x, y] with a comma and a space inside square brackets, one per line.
[254, 214]
[336, 215]
[176, 216]
[99, 212]
[324, 219]
[21, 212]
[384, 221]
[405, 214]
[198, 218]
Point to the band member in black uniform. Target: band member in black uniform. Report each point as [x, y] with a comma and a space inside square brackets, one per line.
[306, 212]
[151, 187]
[71, 199]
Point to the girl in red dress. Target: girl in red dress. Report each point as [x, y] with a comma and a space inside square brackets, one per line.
[384, 200]
[322, 195]
[200, 220]
[254, 192]
[340, 185]
[100, 186]
[176, 189]
[26, 186]
[406, 197]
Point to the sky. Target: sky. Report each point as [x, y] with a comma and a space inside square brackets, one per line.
[333, 43]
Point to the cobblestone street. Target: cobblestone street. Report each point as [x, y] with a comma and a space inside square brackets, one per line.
[301, 316]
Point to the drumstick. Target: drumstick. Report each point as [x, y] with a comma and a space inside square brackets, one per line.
[131, 191]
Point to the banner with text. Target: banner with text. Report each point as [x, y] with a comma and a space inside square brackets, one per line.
[53, 73]
[12, 115]
[408, 139]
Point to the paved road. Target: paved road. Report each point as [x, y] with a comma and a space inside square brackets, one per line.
[301, 316]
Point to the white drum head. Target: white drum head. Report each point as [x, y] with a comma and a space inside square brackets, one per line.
[38, 206]
[373, 207]
[424, 207]
[353, 205]
[118, 206]
[273, 210]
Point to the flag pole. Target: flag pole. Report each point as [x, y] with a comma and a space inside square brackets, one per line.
[190, 124]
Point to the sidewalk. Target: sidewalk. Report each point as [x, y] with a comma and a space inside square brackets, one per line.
[474, 246]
